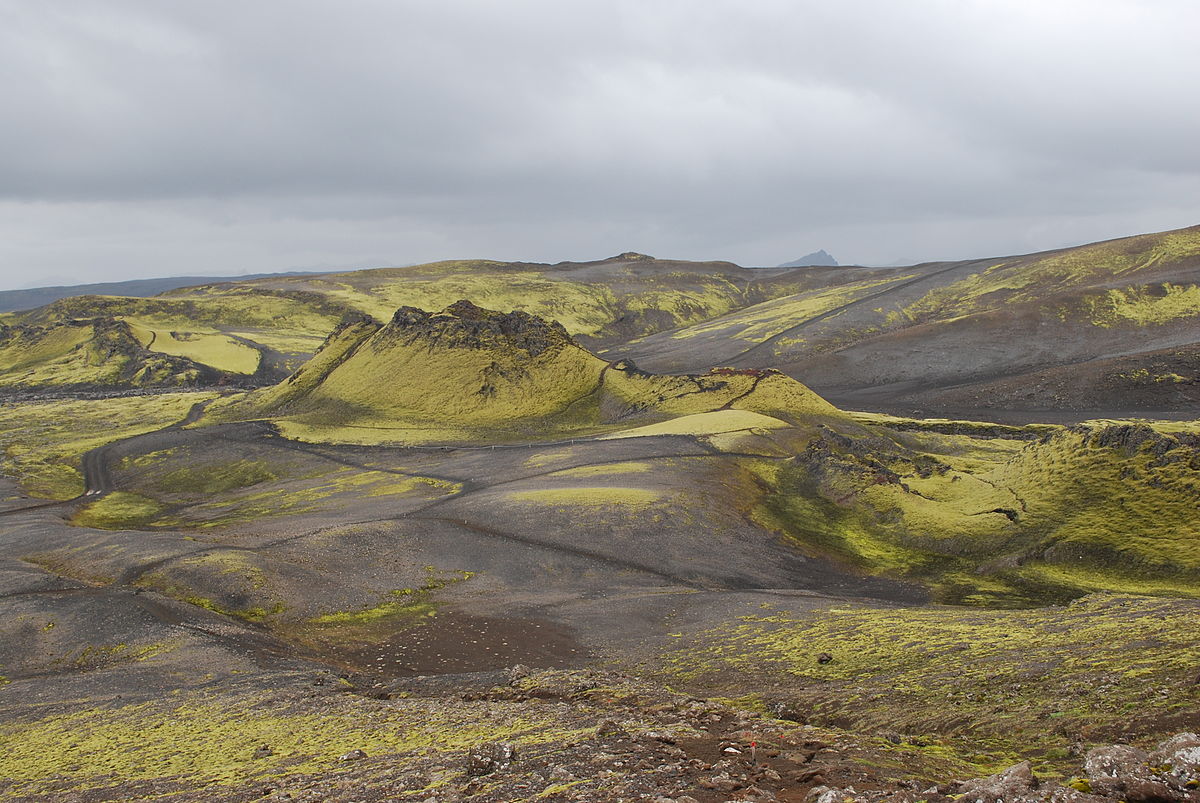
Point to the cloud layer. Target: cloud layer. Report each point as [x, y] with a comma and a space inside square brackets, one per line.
[145, 138]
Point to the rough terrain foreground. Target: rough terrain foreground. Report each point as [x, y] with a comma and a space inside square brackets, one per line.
[457, 556]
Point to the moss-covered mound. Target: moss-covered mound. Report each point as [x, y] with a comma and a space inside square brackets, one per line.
[103, 352]
[471, 373]
[996, 516]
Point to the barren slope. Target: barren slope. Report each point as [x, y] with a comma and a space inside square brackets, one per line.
[1066, 329]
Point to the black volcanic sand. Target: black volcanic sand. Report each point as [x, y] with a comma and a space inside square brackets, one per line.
[549, 585]
[458, 643]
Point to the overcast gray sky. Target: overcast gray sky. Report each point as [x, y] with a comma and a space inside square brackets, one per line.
[147, 138]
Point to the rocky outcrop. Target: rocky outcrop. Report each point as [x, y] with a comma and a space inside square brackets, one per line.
[1133, 438]
[1168, 774]
[465, 325]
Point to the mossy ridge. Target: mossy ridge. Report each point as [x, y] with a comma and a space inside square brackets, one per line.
[223, 327]
[1031, 279]
[198, 739]
[999, 522]
[767, 319]
[168, 341]
[1015, 681]
[89, 353]
[43, 442]
[631, 301]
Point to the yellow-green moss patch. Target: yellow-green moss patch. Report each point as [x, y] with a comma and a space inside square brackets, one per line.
[118, 511]
[587, 496]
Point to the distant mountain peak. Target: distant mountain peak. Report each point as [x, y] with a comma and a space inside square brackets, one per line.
[630, 256]
[821, 257]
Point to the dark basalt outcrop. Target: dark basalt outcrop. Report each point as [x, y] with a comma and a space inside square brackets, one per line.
[1132, 438]
[464, 325]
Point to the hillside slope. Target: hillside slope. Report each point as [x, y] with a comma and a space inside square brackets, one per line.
[1107, 326]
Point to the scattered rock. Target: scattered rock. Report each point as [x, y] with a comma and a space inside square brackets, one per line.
[1179, 758]
[824, 658]
[263, 750]
[490, 757]
[353, 755]
[1127, 773]
[1015, 784]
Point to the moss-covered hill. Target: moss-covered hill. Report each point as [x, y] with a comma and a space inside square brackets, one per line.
[467, 373]
[1107, 326]
[1000, 516]
[263, 329]
[109, 352]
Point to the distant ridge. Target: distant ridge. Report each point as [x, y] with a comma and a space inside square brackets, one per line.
[11, 300]
[821, 257]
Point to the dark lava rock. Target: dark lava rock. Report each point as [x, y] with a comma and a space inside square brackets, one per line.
[465, 325]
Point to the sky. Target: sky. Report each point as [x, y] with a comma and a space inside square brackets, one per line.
[142, 138]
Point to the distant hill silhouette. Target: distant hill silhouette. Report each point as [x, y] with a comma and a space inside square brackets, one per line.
[32, 297]
[815, 258]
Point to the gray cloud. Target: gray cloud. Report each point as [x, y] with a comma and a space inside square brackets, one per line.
[144, 138]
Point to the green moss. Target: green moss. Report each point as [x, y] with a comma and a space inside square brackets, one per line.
[286, 496]
[606, 469]
[105, 656]
[762, 321]
[208, 348]
[200, 741]
[118, 511]
[602, 496]
[236, 578]
[216, 479]
[714, 423]
[1013, 679]
[1003, 521]
[43, 442]
[177, 589]
[407, 604]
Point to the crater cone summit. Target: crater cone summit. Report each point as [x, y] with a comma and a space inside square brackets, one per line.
[467, 368]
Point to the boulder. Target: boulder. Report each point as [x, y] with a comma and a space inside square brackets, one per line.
[1014, 785]
[489, 758]
[1125, 773]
